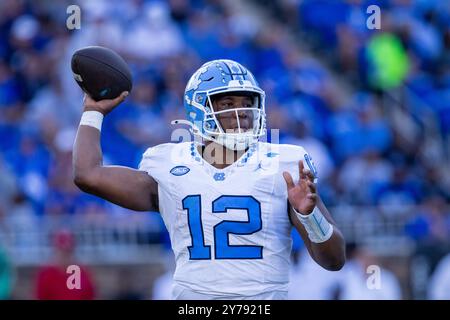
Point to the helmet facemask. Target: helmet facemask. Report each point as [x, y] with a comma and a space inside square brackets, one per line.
[238, 138]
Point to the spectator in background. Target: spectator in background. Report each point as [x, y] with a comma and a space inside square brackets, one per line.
[155, 24]
[163, 285]
[369, 170]
[439, 284]
[400, 193]
[131, 125]
[311, 282]
[126, 286]
[354, 278]
[8, 183]
[52, 279]
[308, 280]
[388, 63]
[431, 224]
[6, 276]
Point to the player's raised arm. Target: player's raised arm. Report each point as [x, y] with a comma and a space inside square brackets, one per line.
[127, 187]
[312, 220]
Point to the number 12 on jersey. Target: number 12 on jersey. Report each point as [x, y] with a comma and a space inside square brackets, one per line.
[222, 249]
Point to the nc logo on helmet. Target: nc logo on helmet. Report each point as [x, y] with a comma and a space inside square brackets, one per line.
[195, 80]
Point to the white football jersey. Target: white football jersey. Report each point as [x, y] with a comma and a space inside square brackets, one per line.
[229, 228]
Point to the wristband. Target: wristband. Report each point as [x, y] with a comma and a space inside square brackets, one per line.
[317, 226]
[92, 119]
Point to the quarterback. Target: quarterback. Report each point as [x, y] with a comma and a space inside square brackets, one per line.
[228, 200]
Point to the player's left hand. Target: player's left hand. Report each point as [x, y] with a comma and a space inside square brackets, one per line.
[303, 195]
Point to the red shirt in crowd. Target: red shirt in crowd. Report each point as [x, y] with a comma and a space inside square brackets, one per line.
[52, 285]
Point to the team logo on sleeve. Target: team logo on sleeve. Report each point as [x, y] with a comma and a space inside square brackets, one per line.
[179, 170]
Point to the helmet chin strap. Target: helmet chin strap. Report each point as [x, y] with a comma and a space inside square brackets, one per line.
[234, 142]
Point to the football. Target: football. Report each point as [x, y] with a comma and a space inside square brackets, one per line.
[101, 72]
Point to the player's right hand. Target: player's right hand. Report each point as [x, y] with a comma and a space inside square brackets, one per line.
[103, 106]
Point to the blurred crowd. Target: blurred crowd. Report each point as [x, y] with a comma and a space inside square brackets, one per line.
[372, 107]
[388, 145]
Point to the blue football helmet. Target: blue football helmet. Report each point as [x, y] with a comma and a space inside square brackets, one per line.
[218, 77]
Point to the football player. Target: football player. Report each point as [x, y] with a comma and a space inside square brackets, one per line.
[228, 200]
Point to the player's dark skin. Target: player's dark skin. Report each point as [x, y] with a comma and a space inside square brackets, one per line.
[136, 190]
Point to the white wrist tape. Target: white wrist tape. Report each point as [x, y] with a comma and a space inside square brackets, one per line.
[318, 228]
[92, 119]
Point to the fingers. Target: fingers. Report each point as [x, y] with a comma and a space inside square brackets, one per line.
[87, 99]
[304, 174]
[111, 103]
[312, 186]
[289, 181]
[120, 98]
[309, 175]
[312, 196]
[301, 173]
